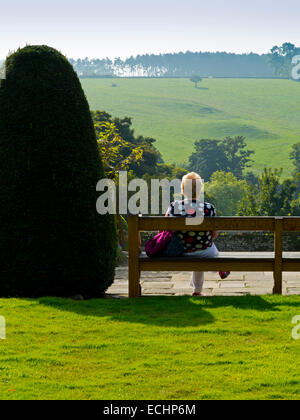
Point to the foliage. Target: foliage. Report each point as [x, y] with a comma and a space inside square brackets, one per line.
[227, 192]
[295, 157]
[196, 79]
[251, 178]
[228, 155]
[169, 171]
[281, 58]
[270, 197]
[207, 158]
[52, 241]
[295, 207]
[117, 154]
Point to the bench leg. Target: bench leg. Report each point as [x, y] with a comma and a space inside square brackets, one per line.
[277, 283]
[133, 258]
[134, 282]
[278, 248]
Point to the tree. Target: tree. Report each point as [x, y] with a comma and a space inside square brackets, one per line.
[281, 58]
[238, 157]
[251, 178]
[117, 154]
[52, 241]
[295, 207]
[151, 156]
[227, 155]
[196, 79]
[208, 158]
[295, 157]
[227, 191]
[270, 197]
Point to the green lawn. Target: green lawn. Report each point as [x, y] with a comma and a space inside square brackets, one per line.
[150, 348]
[266, 112]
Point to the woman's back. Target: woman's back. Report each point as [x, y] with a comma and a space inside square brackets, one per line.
[193, 241]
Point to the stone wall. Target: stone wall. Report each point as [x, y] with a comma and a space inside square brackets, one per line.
[255, 241]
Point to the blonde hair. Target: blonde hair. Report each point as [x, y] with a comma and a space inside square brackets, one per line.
[193, 188]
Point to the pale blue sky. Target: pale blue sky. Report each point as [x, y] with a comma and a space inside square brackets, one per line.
[100, 28]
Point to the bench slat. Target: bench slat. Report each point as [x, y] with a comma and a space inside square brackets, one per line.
[216, 264]
[291, 264]
[291, 224]
[228, 256]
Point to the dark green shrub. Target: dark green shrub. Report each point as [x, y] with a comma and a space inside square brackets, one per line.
[52, 241]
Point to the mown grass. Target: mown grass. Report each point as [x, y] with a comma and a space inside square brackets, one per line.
[150, 348]
[176, 114]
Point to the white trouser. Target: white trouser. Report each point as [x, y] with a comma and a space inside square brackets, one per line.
[197, 278]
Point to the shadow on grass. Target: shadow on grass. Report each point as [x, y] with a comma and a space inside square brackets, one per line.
[164, 311]
[160, 311]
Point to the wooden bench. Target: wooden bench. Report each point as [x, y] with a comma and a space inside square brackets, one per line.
[275, 263]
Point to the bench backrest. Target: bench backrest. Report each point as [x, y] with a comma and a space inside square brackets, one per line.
[285, 224]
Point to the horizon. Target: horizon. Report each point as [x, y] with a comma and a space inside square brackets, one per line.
[97, 29]
[151, 53]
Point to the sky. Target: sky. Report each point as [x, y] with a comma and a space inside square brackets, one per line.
[121, 28]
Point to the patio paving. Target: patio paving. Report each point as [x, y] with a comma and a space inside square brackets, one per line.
[177, 283]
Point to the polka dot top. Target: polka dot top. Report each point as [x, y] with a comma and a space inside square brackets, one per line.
[193, 241]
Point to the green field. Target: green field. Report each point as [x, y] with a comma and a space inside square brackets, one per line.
[266, 112]
[150, 348]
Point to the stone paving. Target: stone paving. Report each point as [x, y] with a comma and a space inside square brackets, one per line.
[177, 283]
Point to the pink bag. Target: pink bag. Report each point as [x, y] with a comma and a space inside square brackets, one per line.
[156, 245]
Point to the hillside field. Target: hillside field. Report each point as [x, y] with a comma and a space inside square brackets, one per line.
[172, 111]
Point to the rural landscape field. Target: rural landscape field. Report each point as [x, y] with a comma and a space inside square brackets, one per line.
[175, 113]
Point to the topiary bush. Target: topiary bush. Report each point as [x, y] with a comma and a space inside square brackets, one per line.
[52, 241]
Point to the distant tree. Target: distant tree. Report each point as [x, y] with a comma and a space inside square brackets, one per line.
[229, 155]
[227, 191]
[208, 158]
[281, 58]
[251, 178]
[270, 197]
[238, 157]
[295, 157]
[196, 79]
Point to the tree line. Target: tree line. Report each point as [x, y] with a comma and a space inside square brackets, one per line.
[182, 64]
[276, 63]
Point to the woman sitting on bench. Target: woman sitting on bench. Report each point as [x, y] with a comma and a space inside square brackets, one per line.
[196, 244]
